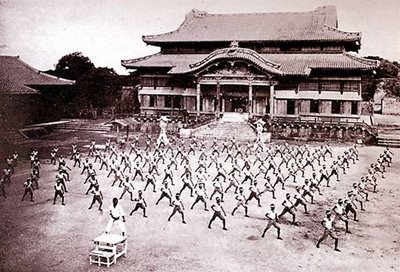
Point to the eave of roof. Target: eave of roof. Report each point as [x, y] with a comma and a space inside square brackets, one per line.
[17, 77]
[288, 64]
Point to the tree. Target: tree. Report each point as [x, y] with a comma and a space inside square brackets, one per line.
[387, 74]
[96, 87]
[100, 87]
[73, 66]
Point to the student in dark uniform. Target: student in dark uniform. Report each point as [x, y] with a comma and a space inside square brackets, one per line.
[254, 193]
[218, 212]
[165, 192]
[241, 202]
[7, 175]
[178, 207]
[201, 195]
[329, 227]
[187, 183]
[85, 165]
[93, 183]
[140, 204]
[28, 185]
[97, 197]
[288, 207]
[77, 159]
[53, 155]
[59, 191]
[15, 158]
[150, 179]
[2, 187]
[273, 220]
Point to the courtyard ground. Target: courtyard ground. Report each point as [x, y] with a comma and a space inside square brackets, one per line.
[40, 236]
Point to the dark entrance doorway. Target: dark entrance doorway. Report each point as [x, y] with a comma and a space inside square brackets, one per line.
[236, 104]
[290, 106]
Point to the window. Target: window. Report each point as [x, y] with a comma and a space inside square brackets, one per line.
[351, 86]
[290, 109]
[309, 86]
[177, 101]
[336, 107]
[152, 101]
[330, 85]
[354, 107]
[168, 101]
[154, 81]
[314, 106]
[147, 81]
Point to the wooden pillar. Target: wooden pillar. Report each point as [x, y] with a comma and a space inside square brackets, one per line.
[218, 102]
[198, 99]
[271, 100]
[250, 99]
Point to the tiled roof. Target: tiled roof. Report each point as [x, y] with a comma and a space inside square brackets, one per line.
[287, 64]
[199, 26]
[17, 77]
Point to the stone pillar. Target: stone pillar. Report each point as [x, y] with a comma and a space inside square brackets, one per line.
[198, 99]
[223, 104]
[250, 99]
[271, 100]
[218, 101]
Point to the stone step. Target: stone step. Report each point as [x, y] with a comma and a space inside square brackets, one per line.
[222, 130]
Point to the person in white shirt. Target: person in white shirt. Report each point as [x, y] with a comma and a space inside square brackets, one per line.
[218, 212]
[241, 202]
[273, 220]
[117, 216]
[178, 207]
[288, 207]
[97, 197]
[140, 204]
[329, 227]
[339, 209]
[59, 191]
[201, 195]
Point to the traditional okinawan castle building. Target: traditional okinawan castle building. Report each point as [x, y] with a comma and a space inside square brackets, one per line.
[280, 64]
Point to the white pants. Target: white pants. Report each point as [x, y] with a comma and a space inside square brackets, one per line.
[120, 224]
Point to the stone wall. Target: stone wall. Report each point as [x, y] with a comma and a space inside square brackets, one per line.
[391, 106]
[332, 133]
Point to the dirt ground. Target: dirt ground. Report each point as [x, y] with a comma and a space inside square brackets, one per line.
[40, 236]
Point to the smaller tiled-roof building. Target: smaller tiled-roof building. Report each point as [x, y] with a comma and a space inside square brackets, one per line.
[28, 95]
[281, 64]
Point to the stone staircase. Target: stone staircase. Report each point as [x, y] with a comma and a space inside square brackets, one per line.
[235, 117]
[226, 130]
[81, 125]
[389, 135]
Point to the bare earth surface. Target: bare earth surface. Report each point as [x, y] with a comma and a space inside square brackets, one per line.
[40, 236]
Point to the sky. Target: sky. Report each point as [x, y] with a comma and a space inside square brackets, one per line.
[108, 31]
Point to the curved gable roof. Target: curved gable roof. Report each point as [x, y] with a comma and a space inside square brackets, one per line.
[237, 53]
[200, 26]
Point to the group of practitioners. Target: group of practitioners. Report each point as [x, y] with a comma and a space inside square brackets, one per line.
[210, 173]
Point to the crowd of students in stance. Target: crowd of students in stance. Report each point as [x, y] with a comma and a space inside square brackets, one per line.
[246, 173]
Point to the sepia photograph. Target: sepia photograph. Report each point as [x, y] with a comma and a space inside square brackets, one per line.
[199, 135]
